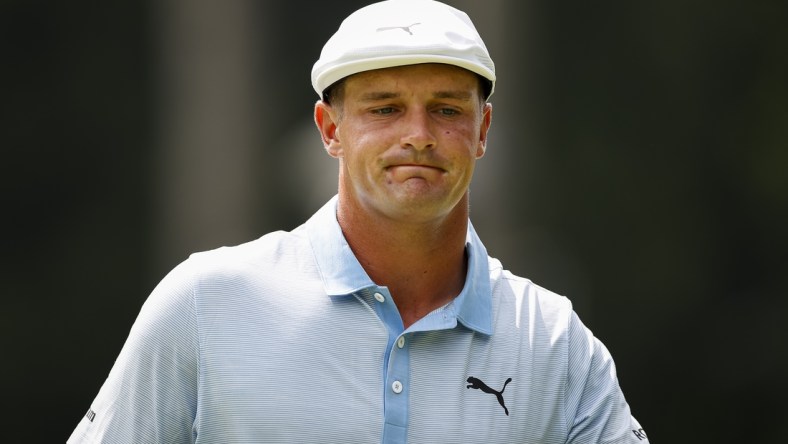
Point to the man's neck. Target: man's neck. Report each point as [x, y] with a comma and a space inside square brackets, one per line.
[423, 265]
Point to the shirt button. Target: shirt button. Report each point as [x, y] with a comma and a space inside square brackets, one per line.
[396, 386]
[401, 342]
[380, 298]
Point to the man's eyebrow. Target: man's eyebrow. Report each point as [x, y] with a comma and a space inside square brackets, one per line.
[378, 95]
[457, 95]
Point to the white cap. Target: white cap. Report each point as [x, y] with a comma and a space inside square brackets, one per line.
[402, 32]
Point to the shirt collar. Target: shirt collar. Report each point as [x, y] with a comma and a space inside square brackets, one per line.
[342, 274]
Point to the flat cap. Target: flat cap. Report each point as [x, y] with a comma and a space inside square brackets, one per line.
[402, 32]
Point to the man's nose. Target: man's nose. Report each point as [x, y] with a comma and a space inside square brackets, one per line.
[418, 132]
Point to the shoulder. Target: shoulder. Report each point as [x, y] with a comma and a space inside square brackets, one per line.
[522, 296]
[274, 253]
[237, 269]
[272, 247]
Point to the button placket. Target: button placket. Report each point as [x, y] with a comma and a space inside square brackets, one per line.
[396, 363]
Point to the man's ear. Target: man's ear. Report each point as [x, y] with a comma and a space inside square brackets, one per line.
[484, 129]
[326, 121]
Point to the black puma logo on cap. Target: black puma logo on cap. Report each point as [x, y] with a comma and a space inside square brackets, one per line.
[476, 383]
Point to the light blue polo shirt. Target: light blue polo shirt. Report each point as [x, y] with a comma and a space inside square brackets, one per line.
[285, 339]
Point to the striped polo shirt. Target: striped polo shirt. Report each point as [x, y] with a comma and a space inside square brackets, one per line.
[285, 339]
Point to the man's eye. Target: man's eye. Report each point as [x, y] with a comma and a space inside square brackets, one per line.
[384, 111]
[448, 112]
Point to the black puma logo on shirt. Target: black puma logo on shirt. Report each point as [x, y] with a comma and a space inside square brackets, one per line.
[476, 383]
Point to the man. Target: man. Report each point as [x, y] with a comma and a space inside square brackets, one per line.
[382, 318]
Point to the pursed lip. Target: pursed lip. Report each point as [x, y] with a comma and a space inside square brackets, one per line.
[414, 166]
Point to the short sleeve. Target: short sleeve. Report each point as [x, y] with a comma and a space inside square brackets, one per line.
[596, 409]
[150, 395]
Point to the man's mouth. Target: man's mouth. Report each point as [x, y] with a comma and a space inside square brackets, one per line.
[414, 167]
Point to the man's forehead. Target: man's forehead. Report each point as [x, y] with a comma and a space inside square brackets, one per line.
[445, 80]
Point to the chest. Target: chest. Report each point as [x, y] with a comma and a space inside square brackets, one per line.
[332, 374]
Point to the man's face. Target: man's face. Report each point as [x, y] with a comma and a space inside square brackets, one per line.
[407, 139]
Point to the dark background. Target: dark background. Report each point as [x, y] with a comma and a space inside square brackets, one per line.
[637, 164]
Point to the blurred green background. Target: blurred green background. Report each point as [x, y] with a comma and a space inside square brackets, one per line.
[638, 164]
